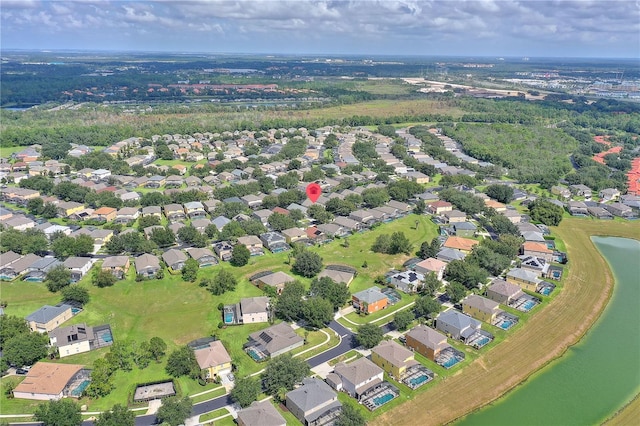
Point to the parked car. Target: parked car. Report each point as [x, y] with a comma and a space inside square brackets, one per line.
[21, 371]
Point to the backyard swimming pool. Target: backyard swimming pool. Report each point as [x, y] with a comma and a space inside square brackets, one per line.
[77, 392]
[381, 400]
[506, 324]
[417, 381]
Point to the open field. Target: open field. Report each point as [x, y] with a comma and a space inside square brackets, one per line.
[547, 335]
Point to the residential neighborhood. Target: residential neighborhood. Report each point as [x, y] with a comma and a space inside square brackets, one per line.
[230, 203]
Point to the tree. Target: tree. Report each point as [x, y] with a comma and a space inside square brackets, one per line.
[382, 244]
[157, 347]
[174, 411]
[545, 212]
[190, 270]
[240, 255]
[487, 259]
[501, 193]
[426, 306]
[163, 237]
[182, 362]
[35, 205]
[245, 391]
[350, 416]
[117, 416]
[466, 273]
[63, 412]
[430, 285]
[319, 214]
[317, 312]
[279, 222]
[147, 221]
[456, 291]
[502, 225]
[223, 281]
[75, 293]
[283, 372]
[101, 382]
[400, 243]
[58, 278]
[402, 319]
[428, 250]
[307, 264]
[103, 278]
[369, 335]
[25, 348]
[11, 326]
[336, 293]
[375, 197]
[289, 304]
[420, 207]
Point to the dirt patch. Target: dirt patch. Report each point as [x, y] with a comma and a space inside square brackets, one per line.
[546, 336]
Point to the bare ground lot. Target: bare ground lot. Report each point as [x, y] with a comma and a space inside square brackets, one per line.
[547, 335]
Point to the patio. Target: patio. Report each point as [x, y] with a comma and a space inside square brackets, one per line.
[379, 395]
[417, 376]
[449, 357]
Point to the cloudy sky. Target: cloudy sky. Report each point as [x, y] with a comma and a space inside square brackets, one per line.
[605, 28]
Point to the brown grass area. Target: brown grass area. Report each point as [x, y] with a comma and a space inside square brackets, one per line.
[546, 336]
[627, 415]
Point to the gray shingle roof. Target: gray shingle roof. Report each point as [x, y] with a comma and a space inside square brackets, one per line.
[47, 313]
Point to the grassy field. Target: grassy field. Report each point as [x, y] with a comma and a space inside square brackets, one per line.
[548, 333]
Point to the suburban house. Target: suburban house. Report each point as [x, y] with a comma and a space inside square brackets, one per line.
[503, 292]
[465, 245]
[174, 259]
[393, 358]
[337, 276]
[37, 271]
[457, 325]
[599, 213]
[174, 211]
[448, 254]
[527, 280]
[253, 243]
[67, 208]
[369, 300]
[17, 267]
[78, 266]
[561, 191]
[481, 308]
[152, 211]
[80, 338]
[223, 249]
[620, 210]
[348, 224]
[274, 241]
[530, 248]
[407, 281]
[426, 341]
[277, 280]
[454, 216]
[194, 209]
[127, 215]
[439, 207]
[314, 403]
[49, 317]
[262, 215]
[464, 229]
[254, 309]
[535, 264]
[430, 265]
[577, 208]
[274, 340]
[147, 265]
[292, 235]
[260, 413]
[356, 377]
[609, 194]
[213, 359]
[204, 256]
[117, 265]
[48, 381]
[581, 191]
[105, 214]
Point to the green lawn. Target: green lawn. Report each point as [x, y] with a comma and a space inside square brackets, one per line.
[213, 414]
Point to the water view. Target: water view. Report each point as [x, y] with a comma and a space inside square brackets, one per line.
[594, 378]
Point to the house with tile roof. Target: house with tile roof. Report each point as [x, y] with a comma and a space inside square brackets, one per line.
[260, 413]
[393, 358]
[48, 381]
[213, 359]
[369, 300]
[465, 245]
[314, 403]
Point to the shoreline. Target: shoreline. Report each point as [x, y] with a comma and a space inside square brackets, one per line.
[546, 337]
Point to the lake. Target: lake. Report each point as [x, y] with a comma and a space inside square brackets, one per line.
[597, 376]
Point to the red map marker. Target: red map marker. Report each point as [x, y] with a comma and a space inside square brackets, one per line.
[313, 192]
